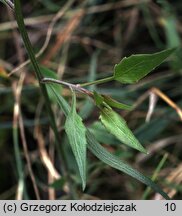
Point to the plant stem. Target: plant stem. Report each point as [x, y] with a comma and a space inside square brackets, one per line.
[107, 79]
[70, 85]
[27, 43]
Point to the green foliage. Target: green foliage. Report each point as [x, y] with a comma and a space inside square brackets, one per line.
[110, 129]
[113, 103]
[103, 100]
[135, 67]
[129, 70]
[118, 164]
[103, 154]
[76, 134]
[117, 126]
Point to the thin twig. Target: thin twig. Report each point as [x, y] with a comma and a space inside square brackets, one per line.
[22, 133]
[17, 93]
[44, 155]
[168, 101]
[30, 21]
[17, 87]
[152, 103]
[157, 146]
[46, 159]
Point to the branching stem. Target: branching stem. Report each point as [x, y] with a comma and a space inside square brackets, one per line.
[76, 87]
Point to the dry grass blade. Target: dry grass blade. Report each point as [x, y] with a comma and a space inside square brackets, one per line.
[6, 26]
[152, 104]
[9, 3]
[113, 6]
[60, 13]
[168, 101]
[44, 155]
[157, 146]
[18, 117]
[175, 177]
[64, 35]
[17, 89]
[46, 159]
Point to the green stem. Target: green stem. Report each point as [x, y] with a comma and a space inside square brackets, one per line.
[27, 43]
[107, 79]
[70, 85]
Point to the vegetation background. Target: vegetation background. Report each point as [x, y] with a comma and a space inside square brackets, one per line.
[81, 42]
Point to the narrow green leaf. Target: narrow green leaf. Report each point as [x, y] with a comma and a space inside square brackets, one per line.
[117, 126]
[135, 67]
[104, 100]
[106, 156]
[76, 133]
[101, 134]
[115, 162]
[113, 103]
[98, 99]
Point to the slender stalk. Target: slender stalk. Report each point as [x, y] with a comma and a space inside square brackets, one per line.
[107, 79]
[27, 43]
[70, 85]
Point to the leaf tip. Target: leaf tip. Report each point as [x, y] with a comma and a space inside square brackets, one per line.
[83, 186]
[143, 150]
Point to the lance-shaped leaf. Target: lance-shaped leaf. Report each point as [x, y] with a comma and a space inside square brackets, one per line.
[115, 162]
[117, 126]
[98, 99]
[114, 103]
[135, 67]
[76, 133]
[105, 100]
[106, 156]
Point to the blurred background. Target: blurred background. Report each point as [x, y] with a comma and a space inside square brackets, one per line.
[82, 41]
